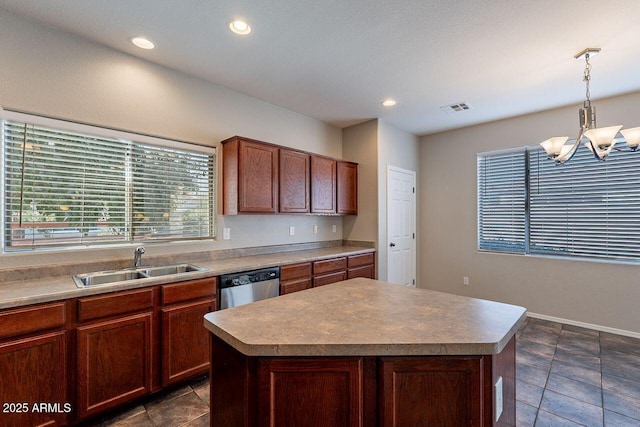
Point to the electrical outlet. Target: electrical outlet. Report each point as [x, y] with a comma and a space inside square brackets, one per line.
[497, 399]
[315, 229]
[465, 280]
[334, 228]
[292, 231]
[226, 233]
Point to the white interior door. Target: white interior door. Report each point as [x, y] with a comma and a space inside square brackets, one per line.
[401, 226]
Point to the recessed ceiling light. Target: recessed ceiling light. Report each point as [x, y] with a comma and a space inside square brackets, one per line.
[239, 26]
[389, 102]
[142, 43]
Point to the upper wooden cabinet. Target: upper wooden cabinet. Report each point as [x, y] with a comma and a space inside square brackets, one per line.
[259, 177]
[347, 188]
[323, 185]
[294, 181]
[250, 174]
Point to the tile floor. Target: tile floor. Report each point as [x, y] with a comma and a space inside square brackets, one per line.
[566, 376]
[185, 406]
[571, 376]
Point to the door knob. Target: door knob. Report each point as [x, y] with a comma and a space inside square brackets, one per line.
[393, 245]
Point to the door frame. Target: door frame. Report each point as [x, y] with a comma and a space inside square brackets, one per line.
[387, 237]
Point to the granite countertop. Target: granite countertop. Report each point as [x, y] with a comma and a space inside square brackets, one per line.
[364, 317]
[59, 287]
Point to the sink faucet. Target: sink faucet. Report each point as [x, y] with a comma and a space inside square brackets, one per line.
[137, 256]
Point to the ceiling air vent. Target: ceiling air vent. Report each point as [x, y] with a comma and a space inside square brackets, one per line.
[456, 108]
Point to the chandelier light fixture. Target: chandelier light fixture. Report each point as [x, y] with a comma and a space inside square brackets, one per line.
[600, 141]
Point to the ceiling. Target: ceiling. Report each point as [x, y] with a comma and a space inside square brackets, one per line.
[336, 60]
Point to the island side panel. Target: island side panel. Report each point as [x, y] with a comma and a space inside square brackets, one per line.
[233, 386]
[503, 365]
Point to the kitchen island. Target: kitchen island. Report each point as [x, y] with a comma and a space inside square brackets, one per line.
[364, 353]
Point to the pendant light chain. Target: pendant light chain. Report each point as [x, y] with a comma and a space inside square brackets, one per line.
[587, 76]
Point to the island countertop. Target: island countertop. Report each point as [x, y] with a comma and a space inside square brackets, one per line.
[364, 317]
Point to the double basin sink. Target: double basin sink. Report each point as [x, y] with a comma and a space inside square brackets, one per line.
[108, 277]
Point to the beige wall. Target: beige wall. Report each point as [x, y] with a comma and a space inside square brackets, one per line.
[375, 145]
[399, 149]
[360, 144]
[57, 74]
[599, 293]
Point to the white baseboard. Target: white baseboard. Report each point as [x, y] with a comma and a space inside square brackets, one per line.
[585, 325]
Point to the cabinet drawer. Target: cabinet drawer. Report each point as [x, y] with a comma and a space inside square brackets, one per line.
[112, 304]
[329, 265]
[360, 260]
[185, 291]
[295, 271]
[31, 319]
[366, 271]
[294, 286]
[329, 278]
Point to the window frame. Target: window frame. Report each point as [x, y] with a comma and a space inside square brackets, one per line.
[137, 140]
[535, 157]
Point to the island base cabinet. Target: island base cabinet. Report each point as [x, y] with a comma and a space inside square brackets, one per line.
[114, 363]
[431, 392]
[310, 392]
[32, 372]
[369, 391]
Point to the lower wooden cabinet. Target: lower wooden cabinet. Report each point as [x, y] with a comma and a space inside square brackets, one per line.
[298, 277]
[33, 372]
[327, 279]
[329, 271]
[80, 357]
[361, 266]
[448, 388]
[184, 339]
[33, 366]
[310, 392]
[114, 362]
[295, 277]
[369, 391]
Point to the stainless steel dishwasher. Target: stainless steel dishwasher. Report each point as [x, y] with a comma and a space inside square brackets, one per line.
[249, 286]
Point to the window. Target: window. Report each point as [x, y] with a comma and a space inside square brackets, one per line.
[66, 184]
[501, 199]
[584, 208]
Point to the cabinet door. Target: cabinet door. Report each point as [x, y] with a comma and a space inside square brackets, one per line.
[294, 182]
[185, 341]
[33, 371]
[425, 391]
[114, 362]
[312, 392]
[347, 188]
[323, 185]
[257, 177]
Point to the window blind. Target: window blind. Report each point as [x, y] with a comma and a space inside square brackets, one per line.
[66, 188]
[171, 193]
[501, 201]
[585, 207]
